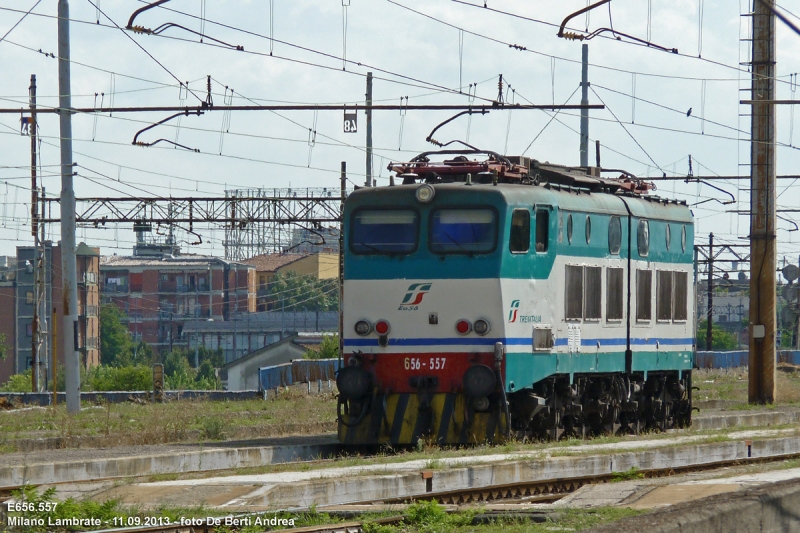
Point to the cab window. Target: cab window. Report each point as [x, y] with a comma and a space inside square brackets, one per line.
[384, 231]
[520, 238]
[465, 231]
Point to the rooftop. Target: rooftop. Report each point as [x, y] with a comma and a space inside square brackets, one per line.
[183, 260]
[272, 262]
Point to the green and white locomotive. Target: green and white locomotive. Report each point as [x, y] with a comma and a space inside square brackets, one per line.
[504, 296]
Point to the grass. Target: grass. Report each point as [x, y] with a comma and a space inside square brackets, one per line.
[732, 385]
[429, 517]
[121, 424]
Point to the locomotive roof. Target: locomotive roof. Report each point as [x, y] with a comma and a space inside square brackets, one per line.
[564, 197]
[523, 180]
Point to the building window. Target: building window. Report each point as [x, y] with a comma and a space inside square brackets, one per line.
[614, 293]
[91, 343]
[29, 298]
[29, 330]
[520, 239]
[644, 295]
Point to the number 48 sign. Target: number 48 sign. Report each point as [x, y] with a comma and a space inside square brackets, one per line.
[350, 122]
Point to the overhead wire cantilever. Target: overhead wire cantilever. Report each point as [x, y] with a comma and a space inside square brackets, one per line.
[136, 142]
[617, 34]
[165, 26]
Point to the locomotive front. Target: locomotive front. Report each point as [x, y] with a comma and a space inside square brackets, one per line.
[422, 316]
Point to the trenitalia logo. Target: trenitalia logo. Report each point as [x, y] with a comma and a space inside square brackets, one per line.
[415, 293]
[512, 312]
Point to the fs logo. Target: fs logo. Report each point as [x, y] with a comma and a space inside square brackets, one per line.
[512, 312]
[414, 295]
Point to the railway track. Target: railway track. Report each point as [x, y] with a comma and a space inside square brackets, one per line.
[547, 491]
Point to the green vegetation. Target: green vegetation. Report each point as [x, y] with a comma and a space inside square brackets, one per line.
[179, 374]
[628, 475]
[291, 291]
[18, 383]
[123, 424]
[328, 349]
[720, 339]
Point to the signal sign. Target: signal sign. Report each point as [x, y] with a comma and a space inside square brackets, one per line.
[350, 122]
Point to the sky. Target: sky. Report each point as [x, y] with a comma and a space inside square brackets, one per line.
[433, 52]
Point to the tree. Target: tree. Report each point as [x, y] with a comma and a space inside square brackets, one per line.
[291, 291]
[720, 339]
[116, 346]
[3, 347]
[328, 349]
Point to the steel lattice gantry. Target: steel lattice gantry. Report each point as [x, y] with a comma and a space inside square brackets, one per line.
[255, 221]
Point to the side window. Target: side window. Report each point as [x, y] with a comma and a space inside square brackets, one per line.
[520, 238]
[588, 229]
[664, 295]
[542, 229]
[644, 238]
[614, 293]
[683, 239]
[614, 235]
[680, 298]
[593, 293]
[574, 292]
[644, 295]
[569, 228]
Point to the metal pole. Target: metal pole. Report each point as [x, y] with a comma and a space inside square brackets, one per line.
[584, 101]
[369, 130]
[710, 296]
[55, 359]
[694, 285]
[761, 380]
[35, 370]
[68, 262]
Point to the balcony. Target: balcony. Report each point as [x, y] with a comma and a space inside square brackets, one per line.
[113, 288]
[170, 286]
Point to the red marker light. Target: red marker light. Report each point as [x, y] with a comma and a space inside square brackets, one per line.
[381, 327]
[463, 326]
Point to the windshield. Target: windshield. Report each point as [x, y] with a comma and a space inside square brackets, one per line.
[384, 231]
[463, 231]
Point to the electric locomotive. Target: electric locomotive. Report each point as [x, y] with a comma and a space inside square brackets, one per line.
[506, 296]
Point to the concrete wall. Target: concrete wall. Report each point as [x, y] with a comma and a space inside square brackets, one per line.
[771, 508]
[739, 358]
[243, 375]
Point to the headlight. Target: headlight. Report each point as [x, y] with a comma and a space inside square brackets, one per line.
[363, 327]
[425, 193]
[481, 327]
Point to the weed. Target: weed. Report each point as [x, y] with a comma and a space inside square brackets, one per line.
[213, 428]
[627, 475]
